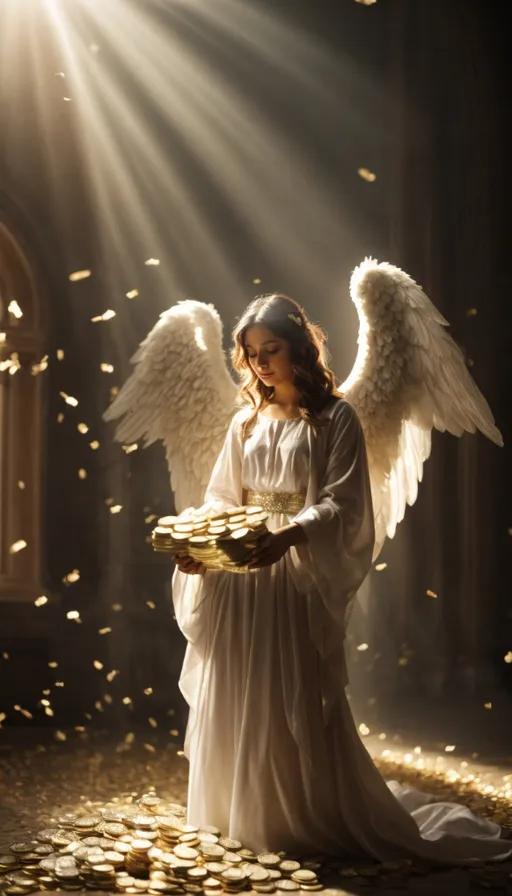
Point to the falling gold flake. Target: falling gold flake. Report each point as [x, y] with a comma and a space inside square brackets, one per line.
[382, 736]
[104, 631]
[60, 354]
[431, 593]
[148, 691]
[67, 99]
[94, 445]
[180, 753]
[111, 675]
[488, 705]
[153, 722]
[174, 732]
[72, 576]
[127, 701]
[116, 508]
[73, 614]
[82, 474]
[59, 735]
[17, 546]
[114, 391]
[363, 729]
[129, 738]
[79, 275]
[59, 684]
[107, 315]
[362, 646]
[98, 705]
[107, 698]
[80, 728]
[21, 484]
[417, 750]
[450, 748]
[53, 664]
[88, 715]
[472, 312]
[403, 661]
[150, 518]
[60, 418]
[3, 717]
[381, 566]
[83, 428]
[508, 657]
[152, 262]
[39, 367]
[45, 702]
[41, 601]
[132, 294]
[97, 664]
[49, 711]
[5, 655]
[107, 368]
[151, 605]
[150, 748]
[128, 449]
[366, 2]
[367, 175]
[14, 309]
[256, 281]
[69, 399]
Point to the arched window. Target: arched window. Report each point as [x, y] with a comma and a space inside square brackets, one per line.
[22, 342]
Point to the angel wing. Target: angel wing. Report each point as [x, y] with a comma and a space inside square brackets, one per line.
[408, 378]
[181, 392]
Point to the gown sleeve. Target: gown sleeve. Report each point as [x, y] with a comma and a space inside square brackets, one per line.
[224, 490]
[340, 531]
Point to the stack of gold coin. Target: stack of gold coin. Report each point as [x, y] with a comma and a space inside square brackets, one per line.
[137, 860]
[307, 879]
[219, 541]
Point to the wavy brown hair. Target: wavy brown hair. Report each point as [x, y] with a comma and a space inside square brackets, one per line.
[312, 376]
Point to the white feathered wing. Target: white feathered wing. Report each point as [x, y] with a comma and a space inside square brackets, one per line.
[408, 378]
[180, 392]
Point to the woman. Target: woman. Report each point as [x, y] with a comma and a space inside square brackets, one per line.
[275, 758]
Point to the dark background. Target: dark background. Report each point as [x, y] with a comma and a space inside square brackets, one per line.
[415, 92]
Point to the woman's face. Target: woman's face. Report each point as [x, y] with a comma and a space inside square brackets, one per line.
[269, 356]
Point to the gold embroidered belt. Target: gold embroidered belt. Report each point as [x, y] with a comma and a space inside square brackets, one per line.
[275, 502]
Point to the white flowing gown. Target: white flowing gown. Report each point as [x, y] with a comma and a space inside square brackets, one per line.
[275, 757]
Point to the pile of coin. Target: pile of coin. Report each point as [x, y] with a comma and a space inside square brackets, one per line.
[219, 541]
[146, 849]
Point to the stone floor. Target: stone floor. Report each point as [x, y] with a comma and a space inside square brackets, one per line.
[41, 776]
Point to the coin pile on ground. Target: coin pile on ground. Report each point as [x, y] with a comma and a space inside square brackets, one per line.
[147, 848]
[219, 541]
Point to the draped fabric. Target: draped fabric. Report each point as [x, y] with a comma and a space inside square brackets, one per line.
[275, 757]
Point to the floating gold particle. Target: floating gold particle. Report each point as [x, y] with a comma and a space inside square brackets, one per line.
[381, 566]
[431, 593]
[107, 698]
[107, 368]
[18, 546]
[508, 657]
[53, 664]
[107, 315]
[82, 474]
[153, 722]
[403, 661]
[14, 309]
[174, 732]
[80, 728]
[472, 312]
[21, 484]
[5, 655]
[41, 601]
[67, 99]
[39, 367]
[450, 748]
[116, 508]
[362, 646]
[3, 717]
[152, 261]
[79, 275]
[382, 736]
[488, 705]
[59, 684]
[98, 705]
[256, 281]
[151, 605]
[127, 701]
[150, 748]
[363, 729]
[114, 391]
[180, 753]
[104, 631]
[150, 518]
[97, 664]
[129, 738]
[83, 428]
[69, 399]
[45, 702]
[117, 608]
[366, 2]
[48, 711]
[60, 417]
[111, 675]
[72, 576]
[60, 354]
[148, 691]
[94, 445]
[128, 449]
[132, 294]
[73, 614]
[59, 735]
[367, 175]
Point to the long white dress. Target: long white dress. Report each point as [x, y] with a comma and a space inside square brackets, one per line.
[276, 760]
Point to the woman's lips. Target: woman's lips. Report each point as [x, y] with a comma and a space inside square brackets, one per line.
[265, 376]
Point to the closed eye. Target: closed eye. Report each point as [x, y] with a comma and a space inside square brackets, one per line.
[274, 352]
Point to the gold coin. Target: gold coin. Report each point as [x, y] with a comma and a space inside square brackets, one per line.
[311, 887]
[87, 821]
[197, 873]
[259, 875]
[287, 885]
[185, 852]
[288, 866]
[269, 859]
[232, 857]
[212, 850]
[304, 876]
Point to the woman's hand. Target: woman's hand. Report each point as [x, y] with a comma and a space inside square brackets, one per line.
[269, 550]
[186, 563]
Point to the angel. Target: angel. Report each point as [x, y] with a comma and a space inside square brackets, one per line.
[276, 760]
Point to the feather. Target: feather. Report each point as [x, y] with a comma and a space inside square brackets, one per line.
[409, 377]
[180, 392]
